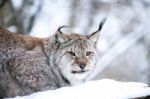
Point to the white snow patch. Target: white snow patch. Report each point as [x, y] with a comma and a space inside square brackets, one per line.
[17, 3]
[101, 89]
[12, 28]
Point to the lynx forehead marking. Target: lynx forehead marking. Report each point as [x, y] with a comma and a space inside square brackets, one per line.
[76, 36]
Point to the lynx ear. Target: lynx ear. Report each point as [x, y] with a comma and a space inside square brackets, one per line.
[95, 36]
[60, 37]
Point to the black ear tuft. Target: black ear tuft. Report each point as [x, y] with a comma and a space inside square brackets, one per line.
[101, 24]
[59, 29]
[60, 37]
[95, 35]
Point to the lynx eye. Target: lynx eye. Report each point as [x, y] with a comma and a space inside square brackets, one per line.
[72, 53]
[88, 53]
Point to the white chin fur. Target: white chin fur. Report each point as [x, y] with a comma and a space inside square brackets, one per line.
[80, 76]
[74, 78]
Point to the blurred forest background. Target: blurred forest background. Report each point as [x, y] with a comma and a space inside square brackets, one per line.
[124, 45]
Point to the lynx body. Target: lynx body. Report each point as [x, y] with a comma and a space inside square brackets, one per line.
[29, 64]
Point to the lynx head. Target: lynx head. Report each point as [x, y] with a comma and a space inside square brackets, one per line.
[77, 54]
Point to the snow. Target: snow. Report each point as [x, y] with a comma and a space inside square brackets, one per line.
[100, 89]
[12, 28]
[16, 3]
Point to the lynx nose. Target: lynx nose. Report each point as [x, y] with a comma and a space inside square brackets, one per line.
[82, 66]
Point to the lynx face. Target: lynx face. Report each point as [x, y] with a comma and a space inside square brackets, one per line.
[78, 57]
[77, 54]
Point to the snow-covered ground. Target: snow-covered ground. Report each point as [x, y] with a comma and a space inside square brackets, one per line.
[101, 89]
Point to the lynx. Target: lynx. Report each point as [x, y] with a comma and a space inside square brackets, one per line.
[30, 64]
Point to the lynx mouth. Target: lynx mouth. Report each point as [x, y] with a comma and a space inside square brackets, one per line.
[81, 71]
